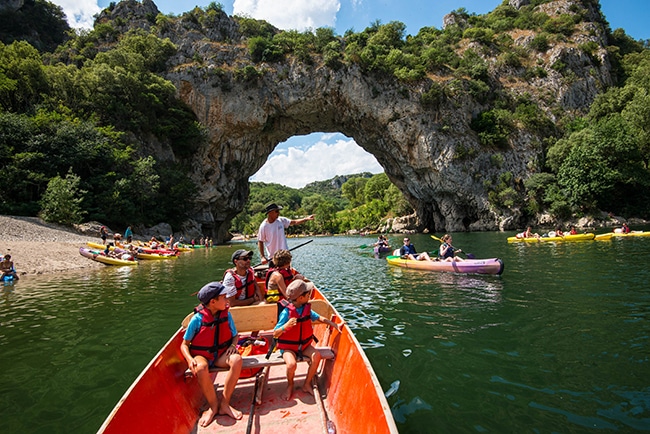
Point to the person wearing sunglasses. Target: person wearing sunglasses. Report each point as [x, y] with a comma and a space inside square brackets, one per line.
[407, 251]
[240, 282]
[295, 334]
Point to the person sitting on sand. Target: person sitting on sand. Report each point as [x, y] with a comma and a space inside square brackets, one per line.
[407, 251]
[294, 333]
[447, 252]
[7, 267]
[206, 345]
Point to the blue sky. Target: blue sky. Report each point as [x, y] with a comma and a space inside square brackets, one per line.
[321, 156]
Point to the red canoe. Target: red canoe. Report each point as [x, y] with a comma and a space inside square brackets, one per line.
[349, 398]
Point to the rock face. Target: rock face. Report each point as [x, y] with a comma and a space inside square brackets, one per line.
[247, 115]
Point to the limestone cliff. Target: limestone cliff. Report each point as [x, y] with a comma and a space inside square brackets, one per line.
[430, 152]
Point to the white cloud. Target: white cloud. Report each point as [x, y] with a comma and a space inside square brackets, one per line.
[297, 168]
[80, 13]
[290, 14]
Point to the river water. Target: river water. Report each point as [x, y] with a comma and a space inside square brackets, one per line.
[559, 343]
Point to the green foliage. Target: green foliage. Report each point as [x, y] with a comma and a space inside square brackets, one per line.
[264, 50]
[61, 201]
[250, 28]
[493, 127]
[22, 77]
[375, 199]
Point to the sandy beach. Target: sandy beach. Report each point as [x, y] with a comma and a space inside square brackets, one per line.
[37, 247]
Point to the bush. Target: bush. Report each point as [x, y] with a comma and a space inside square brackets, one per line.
[61, 202]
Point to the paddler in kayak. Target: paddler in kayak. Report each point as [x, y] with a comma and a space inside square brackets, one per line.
[528, 233]
[447, 252]
[407, 251]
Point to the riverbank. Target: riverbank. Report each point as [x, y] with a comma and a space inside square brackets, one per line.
[37, 247]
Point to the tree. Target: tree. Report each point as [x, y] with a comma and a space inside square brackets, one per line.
[61, 202]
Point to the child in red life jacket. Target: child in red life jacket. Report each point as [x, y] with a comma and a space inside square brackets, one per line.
[294, 333]
[210, 340]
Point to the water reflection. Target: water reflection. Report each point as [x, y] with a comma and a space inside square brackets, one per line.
[559, 339]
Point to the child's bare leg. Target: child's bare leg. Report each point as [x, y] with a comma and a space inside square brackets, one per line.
[207, 387]
[314, 361]
[234, 362]
[290, 361]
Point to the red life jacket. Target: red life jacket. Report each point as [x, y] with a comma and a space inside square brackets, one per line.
[299, 336]
[214, 335]
[275, 295]
[250, 282]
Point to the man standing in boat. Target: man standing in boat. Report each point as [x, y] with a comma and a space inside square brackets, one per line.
[271, 233]
[210, 341]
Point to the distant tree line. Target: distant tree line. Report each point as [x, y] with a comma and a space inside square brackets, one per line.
[361, 203]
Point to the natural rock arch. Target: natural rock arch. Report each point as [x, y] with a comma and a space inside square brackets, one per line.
[430, 152]
[248, 121]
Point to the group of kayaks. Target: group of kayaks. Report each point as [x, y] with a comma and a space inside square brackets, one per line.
[121, 256]
[495, 265]
[578, 237]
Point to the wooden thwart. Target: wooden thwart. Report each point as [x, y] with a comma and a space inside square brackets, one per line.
[260, 360]
[264, 316]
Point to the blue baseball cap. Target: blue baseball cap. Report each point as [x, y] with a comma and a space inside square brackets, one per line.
[210, 291]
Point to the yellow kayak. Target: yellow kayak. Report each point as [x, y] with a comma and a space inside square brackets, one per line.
[632, 234]
[566, 238]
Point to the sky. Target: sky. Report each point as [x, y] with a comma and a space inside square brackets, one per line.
[321, 156]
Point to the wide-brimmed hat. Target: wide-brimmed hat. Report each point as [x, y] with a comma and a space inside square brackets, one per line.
[272, 207]
[241, 254]
[210, 291]
[297, 288]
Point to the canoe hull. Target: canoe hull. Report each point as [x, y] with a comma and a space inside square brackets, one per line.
[631, 234]
[565, 239]
[163, 399]
[468, 266]
[96, 256]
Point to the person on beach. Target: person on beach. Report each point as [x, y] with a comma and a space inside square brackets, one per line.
[103, 233]
[447, 252]
[7, 267]
[128, 234]
[271, 236]
[408, 251]
[210, 341]
[240, 280]
[294, 334]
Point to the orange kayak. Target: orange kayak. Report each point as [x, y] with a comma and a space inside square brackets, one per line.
[348, 397]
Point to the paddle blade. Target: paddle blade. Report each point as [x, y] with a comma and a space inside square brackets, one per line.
[436, 238]
[470, 256]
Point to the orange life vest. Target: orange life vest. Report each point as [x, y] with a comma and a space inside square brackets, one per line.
[239, 285]
[299, 336]
[214, 336]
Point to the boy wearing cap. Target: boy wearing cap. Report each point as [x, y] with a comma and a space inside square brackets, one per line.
[210, 341]
[294, 333]
[240, 281]
[271, 232]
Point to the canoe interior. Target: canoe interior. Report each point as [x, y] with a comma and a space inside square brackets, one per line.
[163, 399]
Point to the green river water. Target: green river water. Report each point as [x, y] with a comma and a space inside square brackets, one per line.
[560, 343]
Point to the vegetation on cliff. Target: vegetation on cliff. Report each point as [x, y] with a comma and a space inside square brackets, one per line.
[89, 115]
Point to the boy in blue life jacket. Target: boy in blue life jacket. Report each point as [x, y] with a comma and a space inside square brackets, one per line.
[294, 333]
[210, 340]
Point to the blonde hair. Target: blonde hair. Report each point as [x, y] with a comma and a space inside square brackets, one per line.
[282, 257]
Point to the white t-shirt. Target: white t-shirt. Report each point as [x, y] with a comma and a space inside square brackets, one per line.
[229, 283]
[272, 235]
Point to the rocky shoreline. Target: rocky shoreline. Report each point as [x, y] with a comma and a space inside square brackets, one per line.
[37, 247]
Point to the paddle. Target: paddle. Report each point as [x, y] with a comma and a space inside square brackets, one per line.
[291, 250]
[469, 255]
